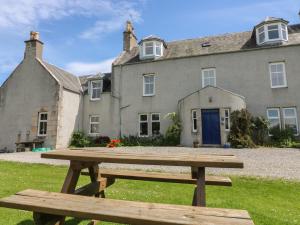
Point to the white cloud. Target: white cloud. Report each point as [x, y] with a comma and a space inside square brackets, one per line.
[85, 68]
[108, 14]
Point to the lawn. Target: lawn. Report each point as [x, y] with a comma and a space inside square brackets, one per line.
[270, 202]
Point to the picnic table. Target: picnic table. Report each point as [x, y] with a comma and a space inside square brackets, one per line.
[81, 159]
[51, 208]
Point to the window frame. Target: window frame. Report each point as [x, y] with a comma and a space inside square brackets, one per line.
[214, 77]
[42, 121]
[155, 45]
[227, 118]
[281, 28]
[279, 116]
[283, 72]
[194, 130]
[289, 117]
[144, 85]
[98, 88]
[91, 123]
[155, 121]
[147, 122]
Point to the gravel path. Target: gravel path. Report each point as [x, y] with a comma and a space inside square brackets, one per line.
[263, 162]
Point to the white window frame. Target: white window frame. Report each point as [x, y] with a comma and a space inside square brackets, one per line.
[144, 121]
[214, 76]
[155, 121]
[144, 85]
[289, 117]
[155, 45]
[194, 129]
[284, 75]
[281, 27]
[227, 118]
[42, 121]
[91, 123]
[279, 116]
[97, 88]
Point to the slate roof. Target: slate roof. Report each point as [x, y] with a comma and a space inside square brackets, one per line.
[66, 79]
[233, 42]
[106, 77]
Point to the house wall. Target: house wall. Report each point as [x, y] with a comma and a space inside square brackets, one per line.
[106, 108]
[245, 73]
[28, 91]
[69, 117]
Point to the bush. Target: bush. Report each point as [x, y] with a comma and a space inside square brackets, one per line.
[174, 130]
[241, 129]
[259, 130]
[281, 137]
[157, 140]
[79, 139]
[101, 140]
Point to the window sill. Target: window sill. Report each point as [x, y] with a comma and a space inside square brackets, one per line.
[276, 87]
[95, 99]
[148, 95]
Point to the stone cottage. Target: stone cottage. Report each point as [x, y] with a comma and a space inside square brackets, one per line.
[203, 79]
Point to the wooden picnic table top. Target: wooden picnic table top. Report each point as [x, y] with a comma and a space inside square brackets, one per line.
[167, 159]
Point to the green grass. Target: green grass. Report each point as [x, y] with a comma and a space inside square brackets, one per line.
[269, 202]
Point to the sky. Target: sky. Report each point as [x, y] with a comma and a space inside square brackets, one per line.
[85, 36]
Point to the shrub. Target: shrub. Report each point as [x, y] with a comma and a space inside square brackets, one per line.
[281, 137]
[101, 140]
[131, 140]
[114, 143]
[241, 129]
[174, 130]
[79, 139]
[259, 130]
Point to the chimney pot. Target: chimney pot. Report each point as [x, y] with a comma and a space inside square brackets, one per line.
[34, 35]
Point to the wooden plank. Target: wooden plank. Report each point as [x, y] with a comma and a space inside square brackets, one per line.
[123, 211]
[161, 177]
[200, 198]
[195, 160]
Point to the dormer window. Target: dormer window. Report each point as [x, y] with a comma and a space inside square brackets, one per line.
[272, 30]
[151, 47]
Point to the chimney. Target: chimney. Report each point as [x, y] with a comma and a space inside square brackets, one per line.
[129, 38]
[34, 47]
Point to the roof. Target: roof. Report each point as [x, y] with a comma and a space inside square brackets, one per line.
[66, 79]
[271, 19]
[106, 77]
[225, 43]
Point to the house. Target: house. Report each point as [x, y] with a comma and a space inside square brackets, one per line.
[202, 79]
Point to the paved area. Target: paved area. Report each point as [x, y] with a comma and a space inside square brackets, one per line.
[264, 162]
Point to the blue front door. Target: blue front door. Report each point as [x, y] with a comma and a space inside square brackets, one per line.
[211, 126]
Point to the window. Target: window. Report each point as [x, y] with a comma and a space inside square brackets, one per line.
[143, 121]
[261, 34]
[277, 75]
[194, 121]
[227, 119]
[149, 85]
[273, 115]
[43, 124]
[94, 125]
[208, 77]
[96, 89]
[155, 123]
[149, 48]
[271, 33]
[290, 119]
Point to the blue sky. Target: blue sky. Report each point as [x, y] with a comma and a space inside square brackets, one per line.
[84, 36]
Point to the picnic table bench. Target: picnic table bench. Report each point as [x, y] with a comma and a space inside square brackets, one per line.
[119, 211]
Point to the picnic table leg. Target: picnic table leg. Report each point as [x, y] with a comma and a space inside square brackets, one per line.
[199, 193]
[68, 187]
[94, 175]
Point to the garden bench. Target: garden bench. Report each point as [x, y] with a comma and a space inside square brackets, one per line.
[113, 174]
[119, 211]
